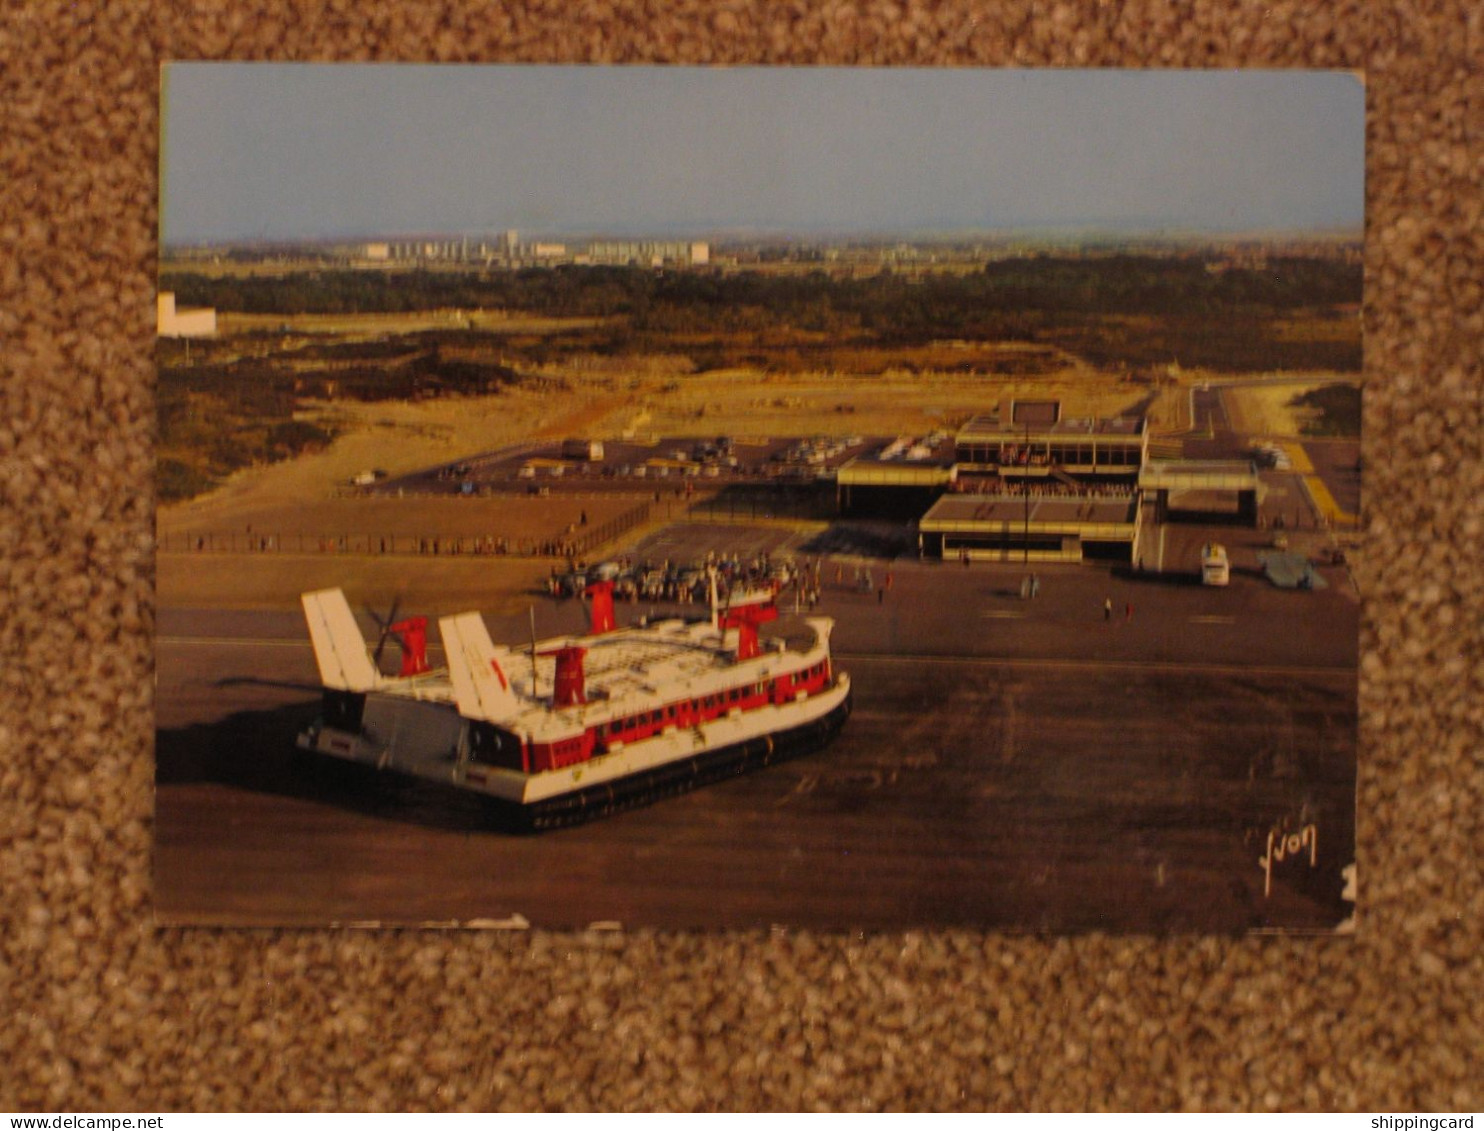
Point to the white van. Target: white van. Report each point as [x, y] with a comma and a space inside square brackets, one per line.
[1215, 567]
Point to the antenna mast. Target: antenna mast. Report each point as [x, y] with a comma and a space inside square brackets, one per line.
[534, 686]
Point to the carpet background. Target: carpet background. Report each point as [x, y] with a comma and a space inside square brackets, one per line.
[99, 1010]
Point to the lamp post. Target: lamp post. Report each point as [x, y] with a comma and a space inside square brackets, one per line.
[1025, 491]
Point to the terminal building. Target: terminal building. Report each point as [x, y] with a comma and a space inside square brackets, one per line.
[1027, 484]
[900, 480]
[1032, 526]
[1033, 441]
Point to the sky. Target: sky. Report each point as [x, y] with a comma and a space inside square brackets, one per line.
[258, 151]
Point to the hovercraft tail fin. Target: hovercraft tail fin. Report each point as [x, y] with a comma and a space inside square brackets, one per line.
[481, 685]
[339, 647]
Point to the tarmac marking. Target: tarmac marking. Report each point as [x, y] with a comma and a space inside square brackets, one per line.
[217, 641]
[1007, 737]
[1213, 619]
[999, 615]
[1325, 501]
[912, 658]
[1297, 457]
[1168, 666]
[252, 642]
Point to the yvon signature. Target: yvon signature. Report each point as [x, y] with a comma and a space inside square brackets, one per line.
[1283, 845]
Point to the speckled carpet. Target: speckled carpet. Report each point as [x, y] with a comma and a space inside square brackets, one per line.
[99, 1009]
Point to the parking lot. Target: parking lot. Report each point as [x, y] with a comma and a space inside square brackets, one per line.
[635, 465]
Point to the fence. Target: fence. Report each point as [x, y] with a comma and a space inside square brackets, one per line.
[577, 541]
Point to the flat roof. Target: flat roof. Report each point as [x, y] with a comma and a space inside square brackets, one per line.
[1068, 511]
[1201, 466]
[906, 454]
[863, 472]
[993, 428]
[1035, 412]
[1210, 474]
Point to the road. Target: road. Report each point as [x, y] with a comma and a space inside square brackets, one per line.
[1014, 764]
[1326, 469]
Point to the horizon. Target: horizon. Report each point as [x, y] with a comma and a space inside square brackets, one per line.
[1079, 236]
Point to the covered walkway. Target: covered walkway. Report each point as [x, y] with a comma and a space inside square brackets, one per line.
[1236, 479]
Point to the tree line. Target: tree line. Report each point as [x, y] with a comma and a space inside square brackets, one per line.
[887, 306]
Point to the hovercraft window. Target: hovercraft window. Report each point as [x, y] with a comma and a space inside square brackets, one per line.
[342, 710]
[491, 746]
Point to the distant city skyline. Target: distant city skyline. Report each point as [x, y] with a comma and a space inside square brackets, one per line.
[282, 152]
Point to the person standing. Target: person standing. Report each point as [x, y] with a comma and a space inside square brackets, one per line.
[1107, 608]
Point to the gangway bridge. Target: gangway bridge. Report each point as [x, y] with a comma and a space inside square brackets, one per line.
[1159, 478]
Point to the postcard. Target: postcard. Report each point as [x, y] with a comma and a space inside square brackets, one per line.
[816, 498]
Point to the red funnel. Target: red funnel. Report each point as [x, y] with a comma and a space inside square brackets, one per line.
[412, 638]
[570, 686]
[746, 619]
